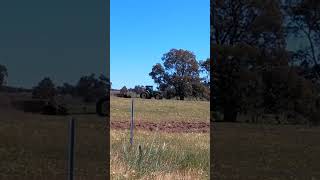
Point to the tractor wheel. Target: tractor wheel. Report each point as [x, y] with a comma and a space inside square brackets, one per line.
[102, 107]
[143, 95]
[157, 96]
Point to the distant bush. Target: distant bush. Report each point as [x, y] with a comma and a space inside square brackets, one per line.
[124, 91]
[44, 90]
[91, 88]
[138, 89]
[67, 89]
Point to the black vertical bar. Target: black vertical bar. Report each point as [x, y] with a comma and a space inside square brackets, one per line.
[107, 39]
[213, 60]
[71, 150]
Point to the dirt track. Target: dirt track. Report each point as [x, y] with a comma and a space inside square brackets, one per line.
[173, 127]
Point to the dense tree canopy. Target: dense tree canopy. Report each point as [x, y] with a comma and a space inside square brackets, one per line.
[91, 88]
[178, 73]
[253, 71]
[246, 37]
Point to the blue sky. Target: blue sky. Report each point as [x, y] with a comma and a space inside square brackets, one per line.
[60, 39]
[142, 31]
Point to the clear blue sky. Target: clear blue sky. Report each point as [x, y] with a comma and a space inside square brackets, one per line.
[142, 31]
[61, 39]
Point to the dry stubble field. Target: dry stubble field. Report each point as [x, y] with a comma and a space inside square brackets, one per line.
[34, 146]
[241, 151]
[171, 139]
[265, 152]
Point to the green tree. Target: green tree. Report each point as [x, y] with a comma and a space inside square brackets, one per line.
[138, 89]
[169, 92]
[304, 22]
[3, 74]
[205, 68]
[200, 90]
[247, 38]
[91, 88]
[66, 88]
[124, 91]
[180, 70]
[45, 89]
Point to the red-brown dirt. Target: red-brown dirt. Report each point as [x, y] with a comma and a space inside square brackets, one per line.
[173, 127]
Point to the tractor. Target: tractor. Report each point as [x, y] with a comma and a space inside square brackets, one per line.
[149, 93]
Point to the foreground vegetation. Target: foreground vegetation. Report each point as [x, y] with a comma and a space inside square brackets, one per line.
[156, 155]
[35, 146]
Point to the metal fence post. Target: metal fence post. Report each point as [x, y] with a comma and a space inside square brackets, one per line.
[71, 149]
[132, 122]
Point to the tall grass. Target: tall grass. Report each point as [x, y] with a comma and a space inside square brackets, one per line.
[160, 154]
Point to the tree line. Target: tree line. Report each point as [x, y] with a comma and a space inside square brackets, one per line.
[180, 75]
[89, 87]
[254, 69]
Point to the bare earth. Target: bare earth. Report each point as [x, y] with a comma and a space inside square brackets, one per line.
[169, 126]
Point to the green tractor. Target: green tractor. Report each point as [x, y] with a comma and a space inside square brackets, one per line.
[149, 93]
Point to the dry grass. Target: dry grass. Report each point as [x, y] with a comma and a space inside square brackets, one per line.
[253, 151]
[162, 156]
[151, 110]
[34, 147]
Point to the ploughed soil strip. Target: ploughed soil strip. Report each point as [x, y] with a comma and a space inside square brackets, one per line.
[173, 127]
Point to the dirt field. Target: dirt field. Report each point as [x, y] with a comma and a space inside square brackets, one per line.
[34, 146]
[173, 127]
[161, 115]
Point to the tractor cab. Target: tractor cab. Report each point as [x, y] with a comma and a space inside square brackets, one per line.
[149, 89]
